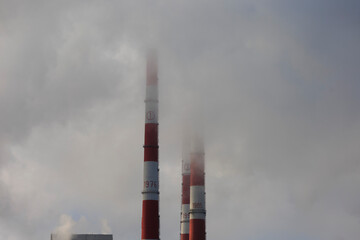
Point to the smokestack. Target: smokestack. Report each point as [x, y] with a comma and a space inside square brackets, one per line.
[197, 190]
[150, 205]
[185, 197]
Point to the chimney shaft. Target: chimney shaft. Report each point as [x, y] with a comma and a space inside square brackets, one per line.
[197, 190]
[185, 197]
[150, 205]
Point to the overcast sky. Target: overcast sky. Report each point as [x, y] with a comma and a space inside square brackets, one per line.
[278, 82]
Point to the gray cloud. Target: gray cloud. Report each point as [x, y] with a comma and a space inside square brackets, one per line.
[278, 83]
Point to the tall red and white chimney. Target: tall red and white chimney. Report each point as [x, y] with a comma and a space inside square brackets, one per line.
[150, 205]
[197, 190]
[185, 196]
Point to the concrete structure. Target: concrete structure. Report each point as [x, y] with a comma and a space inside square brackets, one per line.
[82, 237]
[197, 190]
[185, 196]
[150, 205]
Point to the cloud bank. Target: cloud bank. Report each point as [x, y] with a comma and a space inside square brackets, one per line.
[278, 82]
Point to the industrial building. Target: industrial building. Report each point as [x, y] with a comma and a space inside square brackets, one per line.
[83, 237]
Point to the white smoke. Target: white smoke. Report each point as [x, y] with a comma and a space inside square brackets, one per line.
[105, 228]
[68, 226]
[65, 228]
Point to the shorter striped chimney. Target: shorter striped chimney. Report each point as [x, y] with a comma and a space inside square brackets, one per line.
[197, 190]
[185, 197]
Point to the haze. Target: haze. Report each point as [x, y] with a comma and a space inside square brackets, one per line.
[278, 82]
